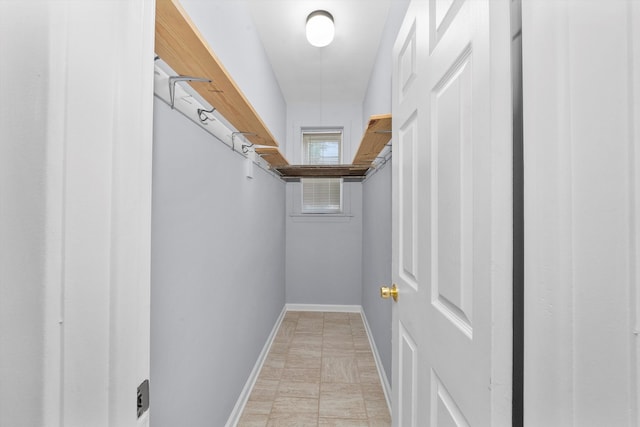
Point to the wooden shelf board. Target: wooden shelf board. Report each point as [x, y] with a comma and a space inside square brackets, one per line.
[322, 171]
[272, 155]
[376, 136]
[180, 44]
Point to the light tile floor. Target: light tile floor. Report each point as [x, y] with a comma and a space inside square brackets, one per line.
[319, 372]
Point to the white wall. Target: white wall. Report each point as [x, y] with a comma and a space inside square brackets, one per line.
[228, 28]
[217, 272]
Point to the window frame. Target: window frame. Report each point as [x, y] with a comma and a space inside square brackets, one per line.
[305, 156]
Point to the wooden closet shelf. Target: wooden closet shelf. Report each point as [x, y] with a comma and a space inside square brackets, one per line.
[184, 49]
[322, 171]
[273, 156]
[375, 137]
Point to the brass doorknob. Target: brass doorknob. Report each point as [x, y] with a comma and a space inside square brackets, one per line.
[386, 292]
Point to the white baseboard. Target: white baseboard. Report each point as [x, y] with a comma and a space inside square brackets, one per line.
[234, 418]
[324, 307]
[386, 387]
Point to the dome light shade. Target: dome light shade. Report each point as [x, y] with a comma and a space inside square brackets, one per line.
[320, 28]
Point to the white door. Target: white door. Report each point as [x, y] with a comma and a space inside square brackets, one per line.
[452, 215]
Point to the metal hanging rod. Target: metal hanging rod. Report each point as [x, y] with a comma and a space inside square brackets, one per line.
[174, 79]
[380, 164]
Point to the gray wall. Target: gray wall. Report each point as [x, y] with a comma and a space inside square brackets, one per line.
[229, 30]
[378, 97]
[218, 254]
[217, 272]
[376, 260]
[334, 240]
[24, 35]
[324, 253]
[376, 243]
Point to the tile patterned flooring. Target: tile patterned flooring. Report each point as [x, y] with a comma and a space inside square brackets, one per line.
[319, 372]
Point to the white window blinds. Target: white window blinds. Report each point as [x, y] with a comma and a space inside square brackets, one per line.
[322, 195]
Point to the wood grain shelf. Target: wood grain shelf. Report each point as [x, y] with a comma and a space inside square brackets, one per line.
[180, 44]
[322, 171]
[273, 156]
[375, 137]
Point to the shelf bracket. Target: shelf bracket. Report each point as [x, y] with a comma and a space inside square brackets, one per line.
[175, 79]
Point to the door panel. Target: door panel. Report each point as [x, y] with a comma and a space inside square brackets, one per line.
[451, 215]
[407, 62]
[445, 412]
[407, 150]
[408, 381]
[442, 14]
[452, 206]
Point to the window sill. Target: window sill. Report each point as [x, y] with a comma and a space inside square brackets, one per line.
[321, 217]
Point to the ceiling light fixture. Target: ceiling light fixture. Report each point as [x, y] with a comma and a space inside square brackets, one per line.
[320, 28]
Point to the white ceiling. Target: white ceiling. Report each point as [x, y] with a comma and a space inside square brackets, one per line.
[336, 73]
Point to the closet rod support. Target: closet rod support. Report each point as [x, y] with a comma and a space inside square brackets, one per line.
[203, 117]
[233, 138]
[245, 147]
[175, 79]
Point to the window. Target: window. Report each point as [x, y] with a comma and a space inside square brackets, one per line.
[322, 195]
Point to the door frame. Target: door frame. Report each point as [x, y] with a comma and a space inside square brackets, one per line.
[98, 216]
[582, 210]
